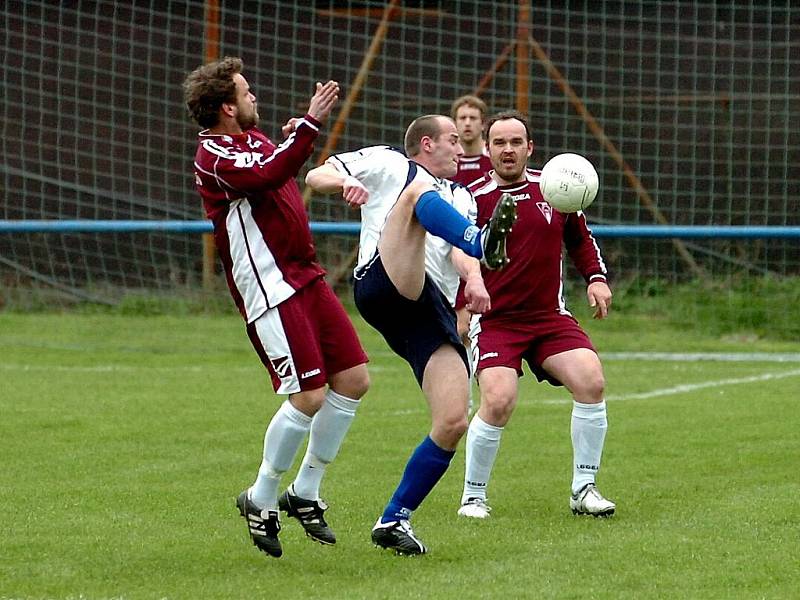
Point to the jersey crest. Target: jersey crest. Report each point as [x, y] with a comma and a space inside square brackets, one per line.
[546, 210]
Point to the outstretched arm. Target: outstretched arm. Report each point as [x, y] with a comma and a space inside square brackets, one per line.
[319, 108]
[326, 179]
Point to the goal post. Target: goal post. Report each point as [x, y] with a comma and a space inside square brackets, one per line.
[688, 111]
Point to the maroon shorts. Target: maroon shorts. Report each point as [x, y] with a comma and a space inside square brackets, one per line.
[306, 339]
[505, 343]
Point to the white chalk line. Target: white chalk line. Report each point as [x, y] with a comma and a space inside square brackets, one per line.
[779, 357]
[690, 387]
[656, 393]
[772, 357]
[139, 368]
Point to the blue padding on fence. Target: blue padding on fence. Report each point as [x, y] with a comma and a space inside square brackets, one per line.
[605, 231]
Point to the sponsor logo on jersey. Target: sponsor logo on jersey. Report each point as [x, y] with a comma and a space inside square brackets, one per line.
[489, 355]
[470, 233]
[310, 373]
[282, 366]
[546, 210]
[518, 197]
[245, 160]
[469, 166]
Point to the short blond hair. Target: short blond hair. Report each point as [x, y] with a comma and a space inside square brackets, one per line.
[468, 100]
[424, 126]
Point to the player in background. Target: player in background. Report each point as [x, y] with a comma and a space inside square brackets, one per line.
[529, 320]
[469, 114]
[295, 322]
[406, 280]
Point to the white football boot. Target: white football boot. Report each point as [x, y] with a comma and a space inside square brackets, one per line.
[588, 501]
[475, 508]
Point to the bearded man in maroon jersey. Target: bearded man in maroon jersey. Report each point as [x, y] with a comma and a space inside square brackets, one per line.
[529, 320]
[295, 322]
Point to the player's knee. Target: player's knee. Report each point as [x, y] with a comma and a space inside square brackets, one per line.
[413, 192]
[591, 388]
[308, 402]
[352, 383]
[358, 383]
[498, 408]
[497, 401]
[452, 427]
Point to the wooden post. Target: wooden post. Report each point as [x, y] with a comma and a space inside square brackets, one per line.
[211, 53]
[498, 64]
[523, 56]
[600, 134]
[355, 88]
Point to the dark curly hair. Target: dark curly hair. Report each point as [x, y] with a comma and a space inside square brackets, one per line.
[208, 87]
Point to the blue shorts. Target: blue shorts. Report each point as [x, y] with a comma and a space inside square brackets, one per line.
[414, 329]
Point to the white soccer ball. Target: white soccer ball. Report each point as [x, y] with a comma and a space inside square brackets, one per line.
[569, 182]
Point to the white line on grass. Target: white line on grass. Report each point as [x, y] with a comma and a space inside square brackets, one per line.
[137, 368]
[678, 389]
[695, 356]
[689, 387]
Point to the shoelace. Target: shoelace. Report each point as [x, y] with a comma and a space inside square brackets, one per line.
[480, 502]
[595, 494]
[406, 527]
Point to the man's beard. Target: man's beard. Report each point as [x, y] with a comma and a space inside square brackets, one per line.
[247, 122]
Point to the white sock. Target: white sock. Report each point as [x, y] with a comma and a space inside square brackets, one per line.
[483, 440]
[588, 428]
[285, 433]
[328, 429]
[471, 361]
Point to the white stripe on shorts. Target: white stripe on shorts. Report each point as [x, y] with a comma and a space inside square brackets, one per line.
[271, 334]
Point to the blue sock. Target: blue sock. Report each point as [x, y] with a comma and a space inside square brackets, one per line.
[424, 469]
[439, 218]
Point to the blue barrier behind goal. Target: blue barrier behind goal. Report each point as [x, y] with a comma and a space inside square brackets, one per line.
[353, 228]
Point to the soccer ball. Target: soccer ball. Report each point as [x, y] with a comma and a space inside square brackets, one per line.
[568, 182]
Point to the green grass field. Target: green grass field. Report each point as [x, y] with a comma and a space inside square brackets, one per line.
[126, 439]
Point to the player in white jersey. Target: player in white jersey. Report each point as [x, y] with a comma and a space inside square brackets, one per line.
[406, 281]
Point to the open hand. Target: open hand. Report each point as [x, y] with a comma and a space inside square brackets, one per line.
[323, 100]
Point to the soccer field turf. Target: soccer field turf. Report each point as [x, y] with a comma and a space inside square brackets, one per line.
[126, 440]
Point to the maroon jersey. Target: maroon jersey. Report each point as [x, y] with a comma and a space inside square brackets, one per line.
[532, 283]
[471, 168]
[249, 192]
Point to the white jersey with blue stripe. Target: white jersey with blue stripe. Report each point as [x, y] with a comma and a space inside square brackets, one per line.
[385, 172]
